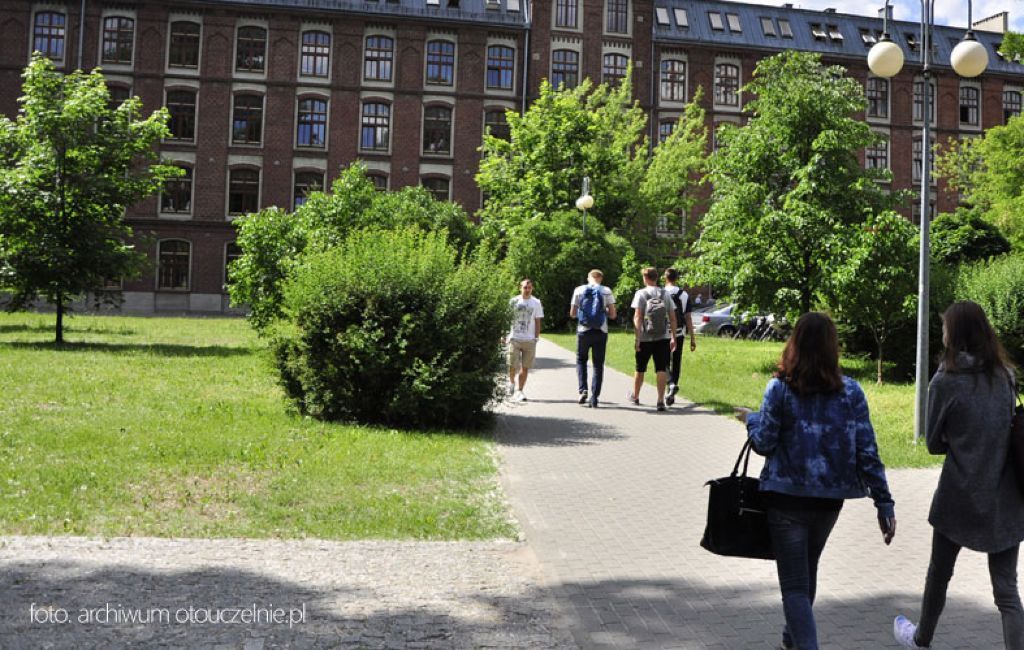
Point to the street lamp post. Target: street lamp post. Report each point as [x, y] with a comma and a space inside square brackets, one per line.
[585, 202]
[969, 59]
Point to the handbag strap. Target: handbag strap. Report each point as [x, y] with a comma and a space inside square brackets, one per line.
[744, 456]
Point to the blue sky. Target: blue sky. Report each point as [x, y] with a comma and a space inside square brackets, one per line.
[947, 12]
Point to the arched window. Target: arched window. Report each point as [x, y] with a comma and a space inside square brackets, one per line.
[496, 124]
[727, 84]
[316, 53]
[877, 91]
[48, 34]
[306, 182]
[181, 104]
[184, 47]
[665, 129]
[437, 130]
[375, 134]
[614, 69]
[439, 187]
[243, 191]
[379, 56]
[919, 100]
[673, 80]
[118, 38]
[500, 67]
[176, 197]
[173, 264]
[1011, 104]
[232, 251]
[565, 68]
[876, 156]
[970, 105]
[311, 129]
[441, 63]
[251, 49]
[247, 120]
[379, 180]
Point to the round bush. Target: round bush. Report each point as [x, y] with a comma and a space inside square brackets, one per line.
[392, 327]
[963, 236]
[998, 286]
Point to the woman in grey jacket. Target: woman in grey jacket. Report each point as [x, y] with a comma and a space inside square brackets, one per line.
[977, 503]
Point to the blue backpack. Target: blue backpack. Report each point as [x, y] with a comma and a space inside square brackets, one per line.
[591, 311]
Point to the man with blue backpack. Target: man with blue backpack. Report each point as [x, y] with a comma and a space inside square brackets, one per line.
[593, 305]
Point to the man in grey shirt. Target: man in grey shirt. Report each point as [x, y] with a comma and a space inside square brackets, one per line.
[654, 320]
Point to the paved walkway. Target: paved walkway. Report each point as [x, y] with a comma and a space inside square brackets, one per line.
[613, 504]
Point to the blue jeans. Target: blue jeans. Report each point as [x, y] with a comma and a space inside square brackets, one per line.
[798, 537]
[587, 343]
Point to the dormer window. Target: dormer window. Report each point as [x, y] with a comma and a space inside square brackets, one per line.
[768, 27]
[785, 29]
[661, 15]
[818, 32]
[433, 3]
[912, 41]
[734, 23]
[835, 34]
[868, 37]
[682, 20]
[716, 21]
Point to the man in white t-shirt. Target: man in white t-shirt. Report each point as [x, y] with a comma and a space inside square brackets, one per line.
[593, 305]
[527, 315]
[654, 322]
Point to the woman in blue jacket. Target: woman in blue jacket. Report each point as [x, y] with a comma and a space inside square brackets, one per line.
[815, 432]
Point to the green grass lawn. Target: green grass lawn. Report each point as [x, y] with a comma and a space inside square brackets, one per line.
[176, 427]
[724, 373]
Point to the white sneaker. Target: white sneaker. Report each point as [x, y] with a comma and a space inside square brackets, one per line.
[903, 631]
[519, 396]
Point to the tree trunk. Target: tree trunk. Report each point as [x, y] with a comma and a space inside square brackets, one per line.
[60, 321]
[881, 345]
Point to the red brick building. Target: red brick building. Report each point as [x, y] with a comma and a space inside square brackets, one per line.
[271, 97]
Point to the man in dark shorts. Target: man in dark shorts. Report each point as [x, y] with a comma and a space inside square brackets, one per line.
[654, 321]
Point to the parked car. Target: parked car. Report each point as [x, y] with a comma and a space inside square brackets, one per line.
[718, 322]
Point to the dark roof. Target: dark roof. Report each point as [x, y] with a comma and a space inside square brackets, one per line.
[852, 45]
[504, 13]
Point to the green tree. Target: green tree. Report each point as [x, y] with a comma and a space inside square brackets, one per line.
[965, 236]
[788, 186]
[69, 166]
[988, 172]
[599, 132]
[873, 288]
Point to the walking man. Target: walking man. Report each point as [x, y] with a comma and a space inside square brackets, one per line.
[654, 321]
[592, 304]
[527, 316]
[684, 314]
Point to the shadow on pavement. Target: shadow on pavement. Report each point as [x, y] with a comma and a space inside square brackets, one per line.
[548, 363]
[534, 431]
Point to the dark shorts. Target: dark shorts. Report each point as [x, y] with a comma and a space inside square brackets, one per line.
[659, 350]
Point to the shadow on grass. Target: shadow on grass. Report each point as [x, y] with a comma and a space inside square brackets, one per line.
[156, 349]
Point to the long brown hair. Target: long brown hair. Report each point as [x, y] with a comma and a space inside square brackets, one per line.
[966, 329]
[810, 360]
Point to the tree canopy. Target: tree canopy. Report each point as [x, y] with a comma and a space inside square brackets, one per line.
[70, 163]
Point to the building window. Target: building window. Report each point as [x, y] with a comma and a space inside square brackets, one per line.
[768, 27]
[305, 183]
[311, 128]
[247, 120]
[917, 160]
[565, 68]
[682, 19]
[243, 191]
[438, 187]
[618, 16]
[181, 104]
[500, 67]
[437, 130]
[919, 100]
[877, 91]
[727, 84]
[565, 13]
[118, 36]
[734, 23]
[673, 80]
[184, 48]
[380, 54]
[496, 124]
[970, 102]
[48, 34]
[176, 196]
[1011, 104]
[376, 127]
[818, 32]
[118, 95]
[251, 53]
[661, 15]
[834, 33]
[876, 156]
[316, 53]
[665, 129]
[231, 253]
[379, 180]
[785, 29]
[173, 257]
[441, 63]
[614, 69]
[867, 37]
[716, 21]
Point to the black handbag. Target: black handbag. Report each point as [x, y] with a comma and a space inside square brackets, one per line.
[1017, 442]
[737, 524]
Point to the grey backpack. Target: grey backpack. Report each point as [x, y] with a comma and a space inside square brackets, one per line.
[656, 315]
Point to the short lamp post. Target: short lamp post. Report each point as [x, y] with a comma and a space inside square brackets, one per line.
[585, 202]
[969, 59]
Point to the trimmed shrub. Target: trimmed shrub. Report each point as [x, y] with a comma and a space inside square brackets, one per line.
[556, 256]
[392, 327]
[963, 236]
[998, 286]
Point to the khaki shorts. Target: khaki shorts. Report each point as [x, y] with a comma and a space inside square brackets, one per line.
[521, 354]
